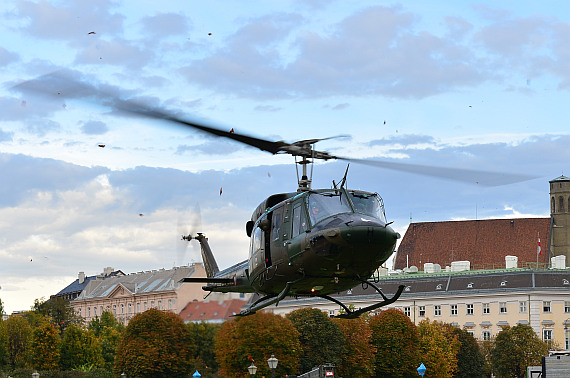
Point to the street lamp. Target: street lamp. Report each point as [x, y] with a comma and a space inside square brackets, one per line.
[252, 369]
[272, 362]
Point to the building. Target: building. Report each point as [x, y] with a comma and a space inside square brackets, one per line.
[485, 243]
[560, 216]
[482, 302]
[72, 291]
[128, 295]
[211, 311]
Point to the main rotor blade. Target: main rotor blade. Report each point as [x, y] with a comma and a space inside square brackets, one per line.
[473, 176]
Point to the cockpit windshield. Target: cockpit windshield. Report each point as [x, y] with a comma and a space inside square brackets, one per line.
[325, 204]
[369, 204]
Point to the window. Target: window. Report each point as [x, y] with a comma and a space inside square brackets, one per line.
[471, 332]
[95, 311]
[115, 309]
[151, 304]
[486, 335]
[547, 335]
[470, 309]
[567, 308]
[522, 307]
[130, 308]
[160, 305]
[502, 307]
[486, 308]
[422, 311]
[546, 306]
[122, 308]
[567, 338]
[407, 311]
[145, 306]
[170, 304]
[437, 310]
[453, 309]
[299, 222]
[138, 308]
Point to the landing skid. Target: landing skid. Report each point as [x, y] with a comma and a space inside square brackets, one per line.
[268, 299]
[355, 314]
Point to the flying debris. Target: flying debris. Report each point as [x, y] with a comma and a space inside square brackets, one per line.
[308, 242]
[92, 32]
[209, 33]
[101, 145]
[141, 214]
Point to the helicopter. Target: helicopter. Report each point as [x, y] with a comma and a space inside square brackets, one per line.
[309, 242]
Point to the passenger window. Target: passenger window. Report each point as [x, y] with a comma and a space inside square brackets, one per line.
[299, 221]
[276, 226]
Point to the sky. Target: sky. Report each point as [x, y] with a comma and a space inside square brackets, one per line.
[480, 85]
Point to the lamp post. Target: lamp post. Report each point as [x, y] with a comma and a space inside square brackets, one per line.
[252, 369]
[272, 362]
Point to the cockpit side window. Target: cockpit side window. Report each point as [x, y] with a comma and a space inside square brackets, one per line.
[369, 204]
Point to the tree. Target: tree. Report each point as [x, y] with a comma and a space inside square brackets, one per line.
[255, 338]
[3, 344]
[204, 336]
[109, 331]
[396, 341]
[155, 344]
[470, 359]
[358, 360]
[321, 340]
[58, 309]
[438, 349]
[80, 348]
[45, 347]
[515, 349]
[18, 335]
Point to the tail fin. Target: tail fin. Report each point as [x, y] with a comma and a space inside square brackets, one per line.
[210, 265]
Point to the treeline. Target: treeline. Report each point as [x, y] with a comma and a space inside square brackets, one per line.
[53, 341]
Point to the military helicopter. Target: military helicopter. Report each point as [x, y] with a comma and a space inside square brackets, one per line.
[310, 242]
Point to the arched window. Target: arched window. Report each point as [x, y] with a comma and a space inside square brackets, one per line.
[561, 204]
[552, 202]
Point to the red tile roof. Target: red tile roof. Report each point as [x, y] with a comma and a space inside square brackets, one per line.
[484, 243]
[211, 311]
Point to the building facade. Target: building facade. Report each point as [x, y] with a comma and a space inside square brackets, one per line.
[560, 216]
[128, 295]
[482, 302]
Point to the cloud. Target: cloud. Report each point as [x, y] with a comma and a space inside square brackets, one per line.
[6, 136]
[93, 127]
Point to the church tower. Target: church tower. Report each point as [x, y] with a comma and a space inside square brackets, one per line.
[560, 217]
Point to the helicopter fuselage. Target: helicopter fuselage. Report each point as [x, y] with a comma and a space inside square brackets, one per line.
[330, 239]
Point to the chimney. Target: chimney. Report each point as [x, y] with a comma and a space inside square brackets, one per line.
[81, 277]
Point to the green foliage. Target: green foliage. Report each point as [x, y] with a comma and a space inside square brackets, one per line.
[1, 309]
[45, 347]
[359, 357]
[515, 349]
[397, 344]
[80, 347]
[470, 359]
[438, 349]
[3, 344]
[109, 331]
[257, 337]
[18, 336]
[155, 344]
[204, 336]
[321, 340]
[59, 310]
